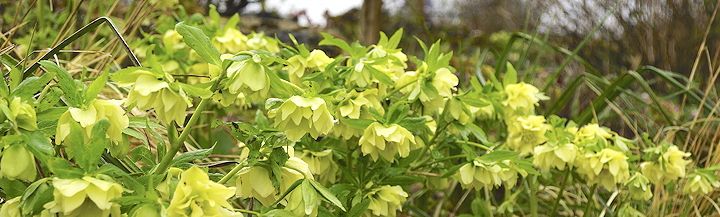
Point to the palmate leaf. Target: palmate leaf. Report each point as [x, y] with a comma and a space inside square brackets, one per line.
[198, 41]
[66, 82]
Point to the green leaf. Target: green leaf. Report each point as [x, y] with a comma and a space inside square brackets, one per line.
[510, 75]
[279, 156]
[134, 133]
[292, 187]
[310, 197]
[327, 194]
[143, 154]
[191, 156]
[36, 195]
[198, 41]
[142, 122]
[497, 156]
[382, 77]
[66, 82]
[525, 164]
[39, 145]
[63, 169]
[94, 89]
[402, 180]
[413, 123]
[358, 209]
[32, 85]
[358, 123]
[87, 155]
[452, 170]
[132, 200]
[12, 188]
[194, 90]
[282, 88]
[394, 39]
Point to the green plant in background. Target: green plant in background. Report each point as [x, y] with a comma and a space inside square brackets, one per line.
[355, 135]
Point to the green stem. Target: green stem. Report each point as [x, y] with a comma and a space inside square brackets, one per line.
[177, 144]
[533, 184]
[560, 194]
[248, 212]
[232, 172]
[589, 196]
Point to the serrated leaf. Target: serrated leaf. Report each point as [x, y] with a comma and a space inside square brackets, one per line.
[143, 154]
[198, 41]
[191, 156]
[279, 156]
[132, 200]
[87, 155]
[96, 86]
[134, 133]
[282, 88]
[63, 169]
[66, 82]
[327, 194]
[361, 124]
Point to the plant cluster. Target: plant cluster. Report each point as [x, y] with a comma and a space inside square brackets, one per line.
[352, 135]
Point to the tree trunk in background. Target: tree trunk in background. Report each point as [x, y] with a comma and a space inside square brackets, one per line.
[370, 21]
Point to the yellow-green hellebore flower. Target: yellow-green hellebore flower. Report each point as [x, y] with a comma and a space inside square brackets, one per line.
[522, 97]
[479, 174]
[232, 41]
[360, 76]
[148, 210]
[524, 133]
[299, 65]
[357, 104]
[249, 77]
[697, 184]
[669, 167]
[171, 37]
[167, 186]
[458, 110]
[11, 208]
[152, 92]
[395, 66]
[592, 134]
[258, 41]
[84, 197]
[321, 164]
[24, 114]
[387, 141]
[486, 112]
[197, 195]
[299, 115]
[415, 83]
[385, 201]
[17, 163]
[255, 182]
[639, 187]
[510, 174]
[607, 167]
[552, 155]
[97, 109]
